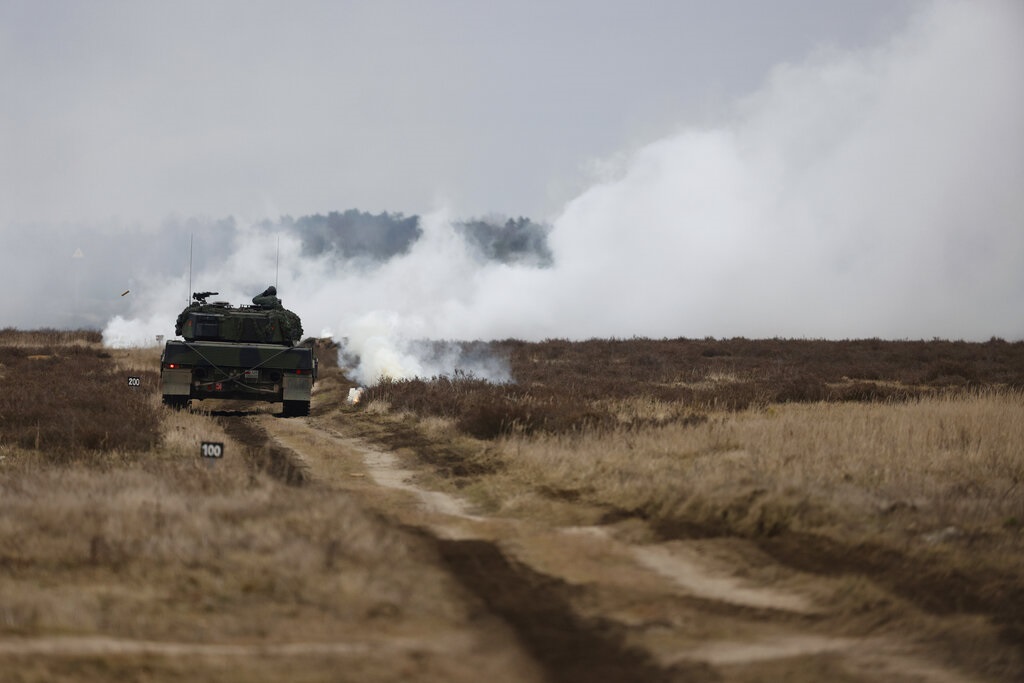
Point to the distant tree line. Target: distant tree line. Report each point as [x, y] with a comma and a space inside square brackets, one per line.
[379, 237]
[515, 240]
[356, 234]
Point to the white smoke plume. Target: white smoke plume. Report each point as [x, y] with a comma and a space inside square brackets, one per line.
[382, 315]
[874, 193]
[857, 194]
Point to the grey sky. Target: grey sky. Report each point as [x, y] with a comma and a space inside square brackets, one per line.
[822, 168]
[140, 110]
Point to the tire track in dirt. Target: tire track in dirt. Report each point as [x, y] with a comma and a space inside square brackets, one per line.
[587, 604]
[564, 646]
[936, 589]
[262, 453]
[570, 649]
[269, 455]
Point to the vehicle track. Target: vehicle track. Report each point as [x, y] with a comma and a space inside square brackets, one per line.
[565, 647]
[587, 605]
[569, 648]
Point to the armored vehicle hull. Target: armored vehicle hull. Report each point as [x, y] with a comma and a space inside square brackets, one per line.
[244, 353]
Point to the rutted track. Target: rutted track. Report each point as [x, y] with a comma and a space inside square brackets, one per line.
[586, 604]
[569, 648]
[262, 454]
[566, 647]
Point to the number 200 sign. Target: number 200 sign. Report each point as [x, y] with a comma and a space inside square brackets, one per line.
[211, 449]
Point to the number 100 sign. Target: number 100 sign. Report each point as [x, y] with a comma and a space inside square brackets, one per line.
[211, 449]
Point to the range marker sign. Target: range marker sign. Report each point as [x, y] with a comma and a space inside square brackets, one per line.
[211, 449]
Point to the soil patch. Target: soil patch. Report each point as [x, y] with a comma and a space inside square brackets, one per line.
[568, 647]
[934, 587]
[930, 585]
[261, 452]
[447, 461]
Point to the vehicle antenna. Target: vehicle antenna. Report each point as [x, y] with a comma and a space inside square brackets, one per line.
[188, 294]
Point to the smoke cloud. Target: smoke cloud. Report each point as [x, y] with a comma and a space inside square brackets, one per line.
[869, 193]
[857, 194]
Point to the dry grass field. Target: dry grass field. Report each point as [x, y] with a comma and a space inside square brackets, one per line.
[124, 557]
[908, 445]
[856, 508]
[897, 461]
[560, 386]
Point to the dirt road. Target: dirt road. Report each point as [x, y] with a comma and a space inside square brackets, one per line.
[613, 602]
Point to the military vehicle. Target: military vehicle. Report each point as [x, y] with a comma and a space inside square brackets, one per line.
[249, 353]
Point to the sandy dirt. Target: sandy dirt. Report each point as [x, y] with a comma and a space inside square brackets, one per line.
[609, 603]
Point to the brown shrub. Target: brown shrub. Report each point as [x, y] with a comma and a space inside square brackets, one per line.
[562, 386]
[66, 399]
[10, 336]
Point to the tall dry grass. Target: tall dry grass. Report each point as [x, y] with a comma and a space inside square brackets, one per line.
[12, 337]
[907, 470]
[186, 553]
[912, 442]
[154, 542]
[166, 546]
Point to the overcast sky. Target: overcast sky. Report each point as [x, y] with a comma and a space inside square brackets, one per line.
[825, 168]
[136, 110]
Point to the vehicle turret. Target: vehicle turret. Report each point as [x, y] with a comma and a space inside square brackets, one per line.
[265, 322]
